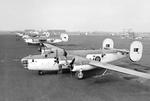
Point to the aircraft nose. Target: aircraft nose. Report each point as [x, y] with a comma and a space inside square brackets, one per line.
[24, 62]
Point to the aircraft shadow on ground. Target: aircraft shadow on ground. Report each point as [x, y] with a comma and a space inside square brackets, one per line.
[134, 65]
[106, 79]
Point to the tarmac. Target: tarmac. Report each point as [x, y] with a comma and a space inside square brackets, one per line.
[19, 84]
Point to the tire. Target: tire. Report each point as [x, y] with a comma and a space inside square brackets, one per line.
[41, 73]
[79, 75]
[97, 58]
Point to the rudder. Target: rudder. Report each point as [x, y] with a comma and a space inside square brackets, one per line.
[108, 43]
[136, 50]
[64, 37]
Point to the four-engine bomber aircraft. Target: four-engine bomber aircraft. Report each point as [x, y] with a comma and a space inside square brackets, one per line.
[80, 61]
[38, 40]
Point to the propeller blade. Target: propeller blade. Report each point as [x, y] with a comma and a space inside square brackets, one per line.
[40, 47]
[71, 64]
[65, 53]
[41, 44]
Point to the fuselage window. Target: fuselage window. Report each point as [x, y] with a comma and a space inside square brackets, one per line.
[107, 45]
[32, 60]
[136, 49]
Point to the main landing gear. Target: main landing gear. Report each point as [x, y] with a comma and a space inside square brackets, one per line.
[79, 74]
[40, 72]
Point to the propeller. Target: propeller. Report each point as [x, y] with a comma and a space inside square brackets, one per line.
[65, 53]
[41, 46]
[57, 61]
[70, 65]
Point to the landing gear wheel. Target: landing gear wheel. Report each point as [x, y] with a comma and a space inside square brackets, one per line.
[97, 58]
[41, 73]
[79, 75]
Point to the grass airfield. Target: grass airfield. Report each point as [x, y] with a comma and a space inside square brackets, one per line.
[19, 84]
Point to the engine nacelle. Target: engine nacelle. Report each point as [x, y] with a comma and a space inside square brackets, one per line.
[108, 43]
[136, 49]
[64, 37]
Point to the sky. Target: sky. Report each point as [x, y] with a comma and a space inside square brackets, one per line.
[75, 15]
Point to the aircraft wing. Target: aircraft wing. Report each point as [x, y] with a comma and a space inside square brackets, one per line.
[49, 46]
[114, 68]
[120, 69]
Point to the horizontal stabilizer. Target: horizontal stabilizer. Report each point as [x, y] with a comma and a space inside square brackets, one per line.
[114, 50]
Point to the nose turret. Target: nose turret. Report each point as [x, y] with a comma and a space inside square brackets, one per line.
[24, 62]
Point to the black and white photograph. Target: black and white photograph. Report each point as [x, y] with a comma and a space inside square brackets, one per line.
[74, 50]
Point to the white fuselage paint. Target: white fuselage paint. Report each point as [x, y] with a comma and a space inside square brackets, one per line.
[32, 41]
[36, 41]
[109, 57]
[49, 64]
[25, 36]
[83, 67]
[54, 40]
[105, 59]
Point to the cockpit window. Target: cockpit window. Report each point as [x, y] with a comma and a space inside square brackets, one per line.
[25, 61]
[136, 49]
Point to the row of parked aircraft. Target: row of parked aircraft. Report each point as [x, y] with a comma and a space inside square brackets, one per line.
[38, 39]
[82, 62]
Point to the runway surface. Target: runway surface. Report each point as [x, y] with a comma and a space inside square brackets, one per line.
[19, 84]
